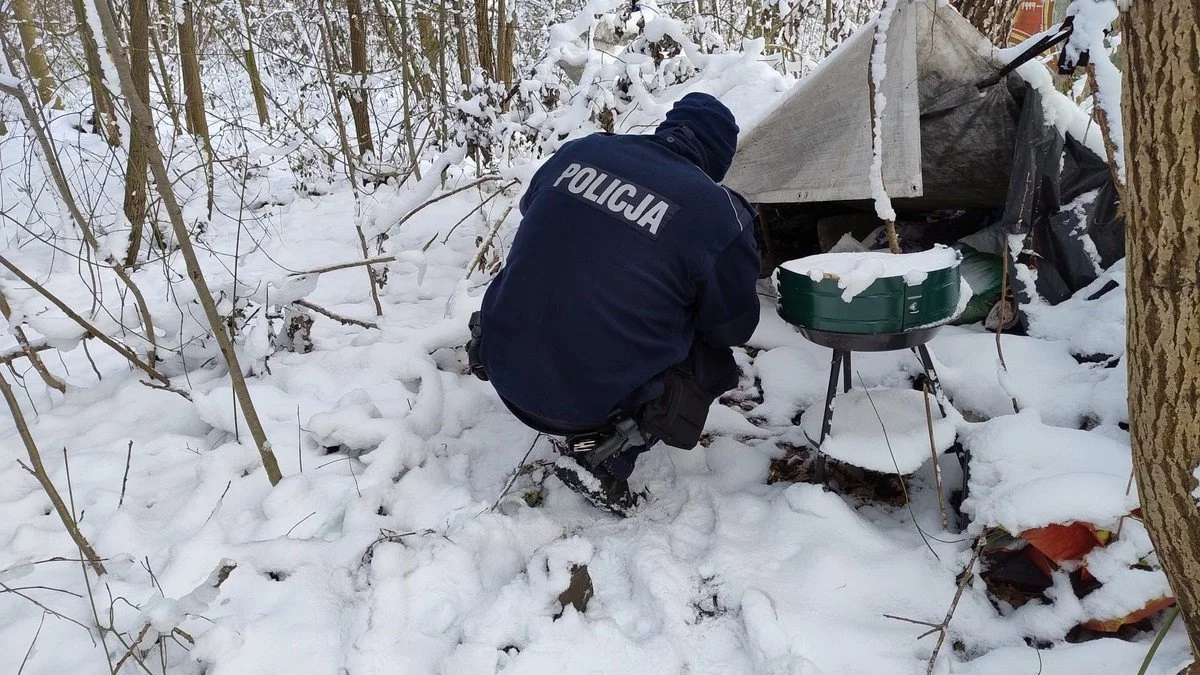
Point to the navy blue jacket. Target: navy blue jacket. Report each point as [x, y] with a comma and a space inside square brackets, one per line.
[629, 251]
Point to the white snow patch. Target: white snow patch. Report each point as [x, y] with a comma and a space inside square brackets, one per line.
[1025, 474]
[883, 430]
[856, 271]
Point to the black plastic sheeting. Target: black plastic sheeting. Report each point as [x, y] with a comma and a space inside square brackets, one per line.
[1061, 196]
[993, 167]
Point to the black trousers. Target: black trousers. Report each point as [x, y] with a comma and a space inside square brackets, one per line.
[711, 369]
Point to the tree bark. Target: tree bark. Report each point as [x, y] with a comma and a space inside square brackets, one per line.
[103, 120]
[993, 18]
[1162, 113]
[256, 84]
[431, 48]
[35, 54]
[506, 26]
[189, 62]
[135, 166]
[161, 40]
[484, 42]
[359, 104]
[462, 41]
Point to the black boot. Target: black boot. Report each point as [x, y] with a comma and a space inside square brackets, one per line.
[596, 484]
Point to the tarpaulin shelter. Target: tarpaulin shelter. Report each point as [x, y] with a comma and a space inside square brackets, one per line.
[961, 161]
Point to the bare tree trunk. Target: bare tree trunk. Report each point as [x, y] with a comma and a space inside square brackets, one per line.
[35, 54]
[330, 60]
[443, 74]
[158, 38]
[256, 84]
[462, 41]
[135, 167]
[507, 27]
[485, 38]
[431, 48]
[359, 103]
[193, 92]
[189, 62]
[406, 78]
[104, 121]
[1162, 111]
[993, 18]
[140, 114]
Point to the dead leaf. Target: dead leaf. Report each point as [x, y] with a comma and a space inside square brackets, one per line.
[1063, 542]
[1112, 625]
[579, 592]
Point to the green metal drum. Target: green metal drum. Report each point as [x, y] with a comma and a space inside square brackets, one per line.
[889, 305]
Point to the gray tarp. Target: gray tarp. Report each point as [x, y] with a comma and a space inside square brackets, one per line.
[942, 139]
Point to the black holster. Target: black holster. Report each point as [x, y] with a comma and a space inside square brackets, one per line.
[677, 417]
[473, 361]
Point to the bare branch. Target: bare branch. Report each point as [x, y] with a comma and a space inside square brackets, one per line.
[39, 472]
[336, 317]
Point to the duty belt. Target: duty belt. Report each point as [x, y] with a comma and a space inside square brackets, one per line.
[596, 447]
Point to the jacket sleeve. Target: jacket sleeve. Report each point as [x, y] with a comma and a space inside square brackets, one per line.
[728, 308]
[531, 190]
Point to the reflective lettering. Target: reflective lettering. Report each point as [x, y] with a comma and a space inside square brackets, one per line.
[634, 213]
[615, 203]
[591, 195]
[581, 179]
[608, 190]
[654, 216]
[571, 170]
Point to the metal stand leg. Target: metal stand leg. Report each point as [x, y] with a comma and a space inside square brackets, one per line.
[840, 358]
[847, 380]
[939, 395]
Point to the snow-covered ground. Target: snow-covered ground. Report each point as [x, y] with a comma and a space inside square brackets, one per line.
[402, 538]
[387, 547]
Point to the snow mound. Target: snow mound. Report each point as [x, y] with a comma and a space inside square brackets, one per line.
[1041, 375]
[1025, 474]
[900, 443]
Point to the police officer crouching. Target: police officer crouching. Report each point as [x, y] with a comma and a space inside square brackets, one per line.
[632, 274]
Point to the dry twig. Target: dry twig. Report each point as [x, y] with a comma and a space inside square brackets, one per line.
[346, 265]
[477, 261]
[38, 470]
[515, 473]
[345, 320]
[943, 628]
[937, 469]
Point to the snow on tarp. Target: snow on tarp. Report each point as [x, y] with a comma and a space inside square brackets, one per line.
[1025, 474]
[900, 443]
[856, 271]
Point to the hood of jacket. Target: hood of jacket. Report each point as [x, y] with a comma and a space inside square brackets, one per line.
[703, 130]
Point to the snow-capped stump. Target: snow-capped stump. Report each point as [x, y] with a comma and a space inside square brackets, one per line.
[899, 443]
